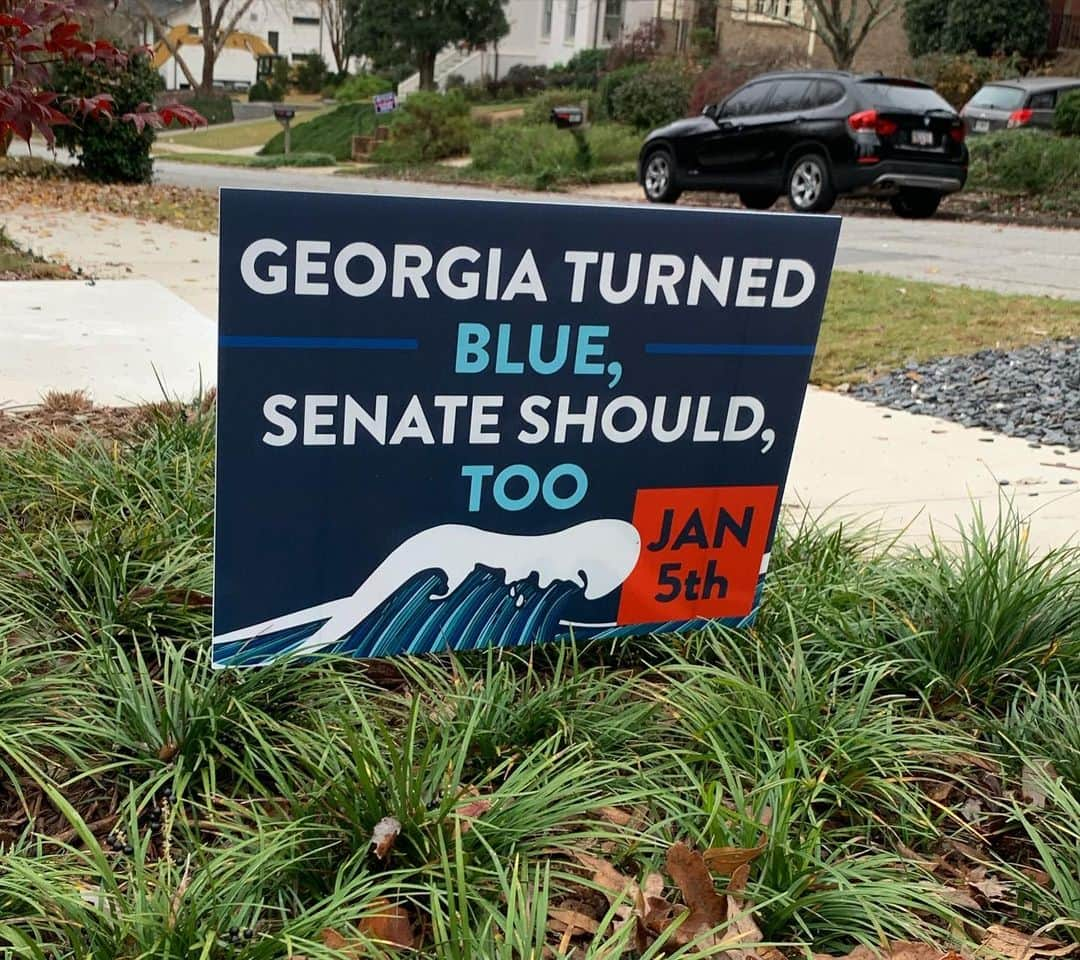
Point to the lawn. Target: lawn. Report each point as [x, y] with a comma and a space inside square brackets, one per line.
[889, 758]
[873, 324]
[233, 136]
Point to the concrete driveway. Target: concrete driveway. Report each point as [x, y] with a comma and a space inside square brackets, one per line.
[1004, 258]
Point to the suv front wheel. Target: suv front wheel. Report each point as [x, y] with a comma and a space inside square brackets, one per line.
[809, 186]
[658, 178]
[914, 204]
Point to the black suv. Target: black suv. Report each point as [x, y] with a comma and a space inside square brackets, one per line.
[814, 135]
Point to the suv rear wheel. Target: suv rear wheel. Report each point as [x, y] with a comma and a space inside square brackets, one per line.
[758, 199]
[658, 178]
[914, 204]
[809, 186]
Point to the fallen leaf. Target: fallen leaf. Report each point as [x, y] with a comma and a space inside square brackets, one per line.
[1031, 779]
[738, 880]
[990, 888]
[471, 811]
[724, 861]
[614, 884]
[959, 898]
[389, 924]
[561, 921]
[333, 940]
[707, 909]
[616, 816]
[1004, 941]
[383, 836]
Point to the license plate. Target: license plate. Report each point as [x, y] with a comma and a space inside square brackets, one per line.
[982, 126]
[922, 138]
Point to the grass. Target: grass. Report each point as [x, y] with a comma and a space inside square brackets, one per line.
[329, 133]
[897, 723]
[1037, 168]
[233, 160]
[873, 324]
[19, 264]
[244, 133]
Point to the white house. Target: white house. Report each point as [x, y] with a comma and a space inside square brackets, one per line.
[545, 32]
[292, 28]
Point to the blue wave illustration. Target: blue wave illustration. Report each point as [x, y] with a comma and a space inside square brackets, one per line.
[482, 612]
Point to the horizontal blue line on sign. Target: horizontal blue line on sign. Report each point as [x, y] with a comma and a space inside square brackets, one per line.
[731, 349]
[323, 343]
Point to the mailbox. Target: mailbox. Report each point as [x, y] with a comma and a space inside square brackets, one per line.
[284, 113]
[564, 117]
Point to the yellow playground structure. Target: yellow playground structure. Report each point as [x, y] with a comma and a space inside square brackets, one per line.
[186, 35]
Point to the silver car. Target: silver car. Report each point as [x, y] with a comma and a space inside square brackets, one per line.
[1005, 104]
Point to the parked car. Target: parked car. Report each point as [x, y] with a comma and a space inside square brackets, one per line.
[814, 135]
[1005, 104]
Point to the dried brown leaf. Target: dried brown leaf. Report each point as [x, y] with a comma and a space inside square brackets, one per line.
[578, 924]
[384, 835]
[1016, 945]
[990, 888]
[389, 924]
[614, 884]
[615, 815]
[1030, 786]
[724, 861]
[707, 909]
[738, 880]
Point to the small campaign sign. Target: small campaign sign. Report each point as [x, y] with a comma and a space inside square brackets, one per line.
[455, 424]
[385, 102]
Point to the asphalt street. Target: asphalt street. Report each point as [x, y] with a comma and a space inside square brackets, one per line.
[1009, 259]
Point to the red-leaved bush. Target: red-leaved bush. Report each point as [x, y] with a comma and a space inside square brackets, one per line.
[34, 35]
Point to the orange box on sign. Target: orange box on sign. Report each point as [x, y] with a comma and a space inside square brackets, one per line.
[701, 552]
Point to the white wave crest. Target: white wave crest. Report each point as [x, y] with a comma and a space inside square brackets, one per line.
[597, 555]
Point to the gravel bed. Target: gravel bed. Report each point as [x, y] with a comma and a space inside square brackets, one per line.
[1031, 392]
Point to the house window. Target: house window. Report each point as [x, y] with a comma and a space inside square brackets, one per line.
[769, 11]
[613, 20]
[305, 21]
[571, 20]
[545, 18]
[301, 57]
[272, 39]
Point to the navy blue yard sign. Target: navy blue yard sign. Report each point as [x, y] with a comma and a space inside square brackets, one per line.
[456, 424]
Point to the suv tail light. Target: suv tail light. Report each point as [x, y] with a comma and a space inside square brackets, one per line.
[958, 132]
[1019, 118]
[870, 121]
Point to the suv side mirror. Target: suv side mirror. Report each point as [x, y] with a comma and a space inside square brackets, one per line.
[712, 111]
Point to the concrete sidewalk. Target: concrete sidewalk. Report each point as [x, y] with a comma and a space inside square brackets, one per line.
[852, 459]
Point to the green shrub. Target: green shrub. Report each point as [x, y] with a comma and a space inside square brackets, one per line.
[428, 126]
[540, 107]
[362, 87]
[1067, 115]
[924, 22]
[522, 80]
[654, 97]
[985, 27]
[1024, 161]
[260, 91]
[583, 70]
[543, 155]
[216, 108]
[609, 86]
[109, 150]
[310, 73]
[958, 77]
[331, 133]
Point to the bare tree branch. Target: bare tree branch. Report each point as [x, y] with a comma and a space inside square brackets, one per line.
[174, 49]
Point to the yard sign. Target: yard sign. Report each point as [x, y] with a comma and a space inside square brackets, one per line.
[456, 424]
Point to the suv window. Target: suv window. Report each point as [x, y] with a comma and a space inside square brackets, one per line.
[994, 97]
[901, 96]
[789, 95]
[747, 101]
[1042, 101]
[823, 93]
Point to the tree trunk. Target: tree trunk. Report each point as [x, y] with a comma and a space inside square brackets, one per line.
[427, 69]
[5, 142]
[209, 47]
